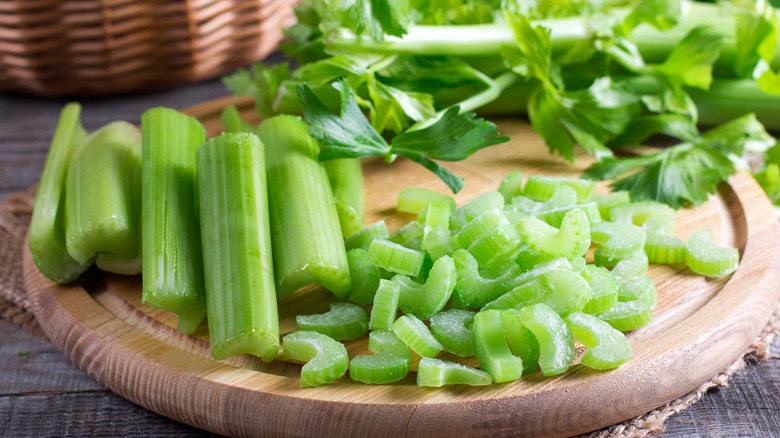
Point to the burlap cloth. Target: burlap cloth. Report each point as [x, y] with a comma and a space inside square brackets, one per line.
[15, 213]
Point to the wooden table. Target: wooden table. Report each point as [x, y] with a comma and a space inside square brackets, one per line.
[42, 394]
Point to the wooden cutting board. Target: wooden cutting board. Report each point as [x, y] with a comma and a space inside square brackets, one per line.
[700, 327]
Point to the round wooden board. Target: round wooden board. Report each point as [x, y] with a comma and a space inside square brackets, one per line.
[700, 327]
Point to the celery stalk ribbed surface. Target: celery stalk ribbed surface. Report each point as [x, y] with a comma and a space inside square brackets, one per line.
[307, 243]
[346, 180]
[172, 262]
[236, 237]
[47, 232]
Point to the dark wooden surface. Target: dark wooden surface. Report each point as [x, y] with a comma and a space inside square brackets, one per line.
[42, 394]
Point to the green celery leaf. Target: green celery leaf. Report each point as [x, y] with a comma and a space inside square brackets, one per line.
[240, 83]
[443, 12]
[347, 136]
[304, 38]
[769, 83]
[532, 57]
[673, 125]
[380, 17]
[769, 180]
[661, 14]
[454, 182]
[265, 83]
[430, 73]
[734, 136]
[756, 42]
[690, 62]
[331, 69]
[393, 107]
[452, 138]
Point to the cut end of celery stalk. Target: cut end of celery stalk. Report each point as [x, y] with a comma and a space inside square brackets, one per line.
[189, 312]
[260, 343]
[332, 278]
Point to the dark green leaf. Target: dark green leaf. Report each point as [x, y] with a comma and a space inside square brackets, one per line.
[673, 125]
[393, 107]
[429, 73]
[454, 182]
[379, 17]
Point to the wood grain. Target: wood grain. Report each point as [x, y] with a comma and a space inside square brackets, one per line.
[717, 321]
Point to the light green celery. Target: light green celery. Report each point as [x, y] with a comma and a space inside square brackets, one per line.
[436, 373]
[607, 347]
[389, 363]
[661, 246]
[521, 341]
[410, 235]
[525, 294]
[489, 236]
[385, 305]
[47, 228]
[527, 258]
[346, 181]
[326, 359]
[365, 277]
[475, 289]
[438, 242]
[627, 315]
[617, 239]
[542, 187]
[603, 289]
[119, 265]
[437, 215]
[343, 322]
[102, 209]
[305, 233]
[550, 210]
[638, 213]
[556, 345]
[480, 204]
[706, 258]
[631, 265]
[640, 287]
[571, 240]
[578, 264]
[395, 258]
[570, 292]
[232, 121]
[171, 246]
[606, 202]
[492, 350]
[452, 328]
[425, 300]
[591, 209]
[416, 335]
[511, 185]
[237, 262]
[414, 199]
[363, 238]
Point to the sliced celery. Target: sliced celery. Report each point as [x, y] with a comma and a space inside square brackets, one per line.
[617, 239]
[343, 322]
[608, 201]
[395, 258]
[474, 289]
[103, 206]
[410, 235]
[628, 315]
[414, 199]
[542, 187]
[551, 210]
[346, 181]
[416, 335]
[556, 345]
[480, 204]
[438, 242]
[47, 228]
[492, 350]
[511, 185]
[607, 347]
[578, 264]
[638, 213]
[437, 214]
[661, 246]
[365, 277]
[363, 238]
[640, 288]
[305, 232]
[521, 341]
[591, 210]
[631, 265]
[570, 291]
[427, 299]
[436, 373]
[530, 292]
[489, 236]
[389, 363]
[385, 305]
[119, 265]
[706, 258]
[570, 241]
[452, 328]
[603, 289]
[171, 247]
[238, 265]
[326, 359]
[527, 258]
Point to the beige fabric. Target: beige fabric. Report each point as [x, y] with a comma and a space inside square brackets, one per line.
[15, 212]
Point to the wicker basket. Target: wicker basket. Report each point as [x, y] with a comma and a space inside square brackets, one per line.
[90, 47]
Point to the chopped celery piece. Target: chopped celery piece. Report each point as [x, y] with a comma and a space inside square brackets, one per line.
[232, 121]
[389, 363]
[640, 288]
[395, 258]
[578, 264]
[427, 299]
[363, 238]
[542, 187]
[437, 214]
[480, 204]
[414, 199]
[627, 315]
[346, 181]
[238, 265]
[661, 246]
[511, 185]
[365, 277]
[456, 303]
[385, 305]
[171, 246]
[570, 241]
[489, 236]
[119, 265]
[452, 328]
[591, 210]
[307, 242]
[607, 347]
[659, 225]
[436, 373]
[410, 235]
[617, 239]
[556, 345]
[638, 213]
[47, 228]
[103, 202]
[527, 258]
[551, 210]
[343, 322]
[521, 341]
[438, 242]
[492, 350]
[326, 359]
[416, 335]
[603, 289]
[608, 201]
[474, 289]
[527, 293]
[706, 258]
[570, 291]
[629, 266]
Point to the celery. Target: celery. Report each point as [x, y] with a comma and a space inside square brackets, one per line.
[232, 121]
[489, 236]
[427, 299]
[47, 230]
[343, 322]
[326, 359]
[385, 305]
[346, 181]
[527, 258]
[119, 265]
[661, 246]
[607, 347]
[492, 350]
[618, 239]
[628, 315]
[522, 341]
[438, 242]
[389, 363]
[706, 258]
[363, 238]
[305, 233]
[437, 215]
[638, 213]
[607, 202]
[571, 240]
[364, 275]
[395, 258]
[452, 328]
[570, 291]
[414, 199]
[102, 209]
[511, 185]
[480, 204]
[629, 265]
[171, 246]
[474, 289]
[238, 266]
[410, 235]
[436, 373]
[603, 289]
[527, 293]
[416, 335]
[541, 187]
[640, 288]
[556, 345]
[550, 210]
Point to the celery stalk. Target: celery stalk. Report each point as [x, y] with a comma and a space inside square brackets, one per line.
[172, 262]
[346, 180]
[232, 121]
[238, 266]
[47, 234]
[103, 202]
[307, 241]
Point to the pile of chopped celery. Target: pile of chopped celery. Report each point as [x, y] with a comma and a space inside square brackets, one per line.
[503, 279]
